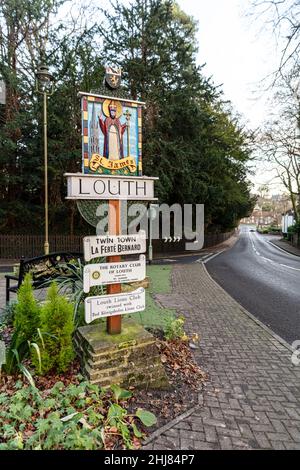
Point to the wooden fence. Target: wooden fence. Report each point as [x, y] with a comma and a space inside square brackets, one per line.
[28, 246]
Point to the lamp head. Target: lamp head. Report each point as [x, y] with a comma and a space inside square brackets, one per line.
[43, 74]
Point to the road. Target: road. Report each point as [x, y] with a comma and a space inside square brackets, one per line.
[264, 280]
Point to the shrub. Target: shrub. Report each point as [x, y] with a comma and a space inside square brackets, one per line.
[174, 329]
[56, 331]
[26, 312]
[26, 321]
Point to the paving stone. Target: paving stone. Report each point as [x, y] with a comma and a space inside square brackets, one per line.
[183, 425]
[229, 432]
[240, 443]
[185, 444]
[295, 433]
[201, 445]
[262, 440]
[197, 427]
[277, 445]
[292, 446]
[276, 436]
[214, 422]
[246, 431]
[210, 434]
[225, 443]
[170, 443]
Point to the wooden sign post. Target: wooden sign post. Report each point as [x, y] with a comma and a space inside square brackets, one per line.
[111, 171]
[114, 323]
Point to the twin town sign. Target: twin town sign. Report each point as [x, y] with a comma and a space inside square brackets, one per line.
[113, 245]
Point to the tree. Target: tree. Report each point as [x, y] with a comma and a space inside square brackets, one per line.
[284, 18]
[280, 144]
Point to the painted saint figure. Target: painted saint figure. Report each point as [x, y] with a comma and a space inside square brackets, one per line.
[112, 130]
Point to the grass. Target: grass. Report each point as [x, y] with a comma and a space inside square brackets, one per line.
[160, 283]
[160, 277]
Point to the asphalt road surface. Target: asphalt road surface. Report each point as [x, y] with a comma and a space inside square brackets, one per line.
[264, 280]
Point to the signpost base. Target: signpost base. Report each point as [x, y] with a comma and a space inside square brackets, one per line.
[128, 359]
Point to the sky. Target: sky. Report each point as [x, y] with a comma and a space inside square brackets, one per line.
[239, 55]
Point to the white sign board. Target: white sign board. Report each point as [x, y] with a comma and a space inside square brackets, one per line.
[113, 273]
[117, 304]
[82, 186]
[113, 245]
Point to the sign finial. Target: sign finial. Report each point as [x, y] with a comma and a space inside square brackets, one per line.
[113, 77]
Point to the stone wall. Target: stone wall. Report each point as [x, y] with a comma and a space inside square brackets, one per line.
[129, 358]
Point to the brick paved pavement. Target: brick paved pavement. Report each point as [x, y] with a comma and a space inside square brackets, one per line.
[252, 398]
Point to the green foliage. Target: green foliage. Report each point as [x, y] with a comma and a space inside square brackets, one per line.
[76, 417]
[175, 329]
[74, 287]
[274, 229]
[57, 327]
[26, 323]
[263, 231]
[294, 228]
[120, 393]
[147, 418]
[27, 311]
[8, 312]
[160, 278]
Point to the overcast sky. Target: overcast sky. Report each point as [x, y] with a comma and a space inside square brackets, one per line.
[239, 54]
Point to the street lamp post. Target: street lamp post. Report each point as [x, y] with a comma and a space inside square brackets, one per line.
[44, 86]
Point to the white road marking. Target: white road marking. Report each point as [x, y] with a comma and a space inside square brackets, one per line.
[200, 260]
[212, 256]
[290, 267]
[268, 259]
